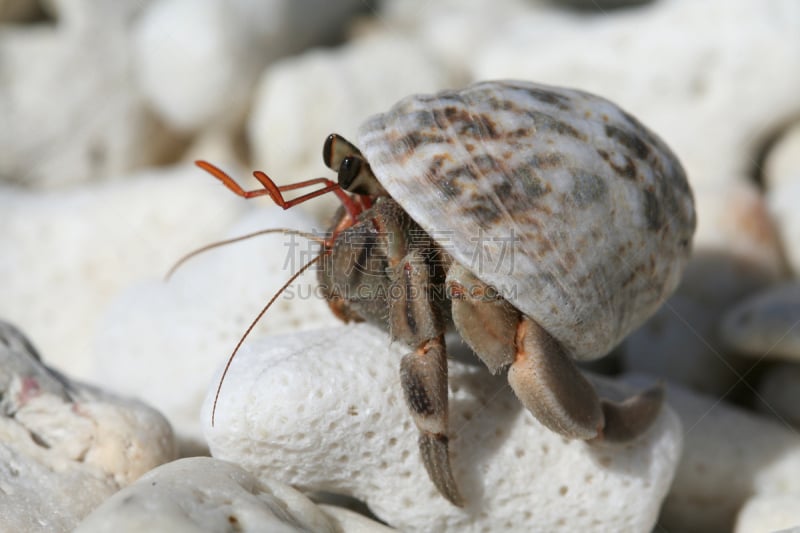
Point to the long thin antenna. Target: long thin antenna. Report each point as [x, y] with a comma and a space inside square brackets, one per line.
[286, 231]
[252, 325]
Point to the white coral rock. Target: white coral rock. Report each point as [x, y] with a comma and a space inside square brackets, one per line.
[324, 411]
[69, 112]
[65, 447]
[197, 61]
[204, 494]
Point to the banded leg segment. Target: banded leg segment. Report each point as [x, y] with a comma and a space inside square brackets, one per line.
[415, 319]
[423, 375]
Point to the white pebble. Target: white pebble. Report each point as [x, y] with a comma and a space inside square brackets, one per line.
[729, 455]
[192, 65]
[782, 164]
[198, 61]
[70, 114]
[65, 447]
[766, 325]
[324, 411]
[782, 178]
[205, 494]
[766, 513]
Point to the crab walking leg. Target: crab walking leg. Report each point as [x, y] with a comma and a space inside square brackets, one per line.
[423, 373]
[485, 321]
[541, 373]
[549, 384]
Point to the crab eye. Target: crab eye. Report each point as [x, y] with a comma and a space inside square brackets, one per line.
[348, 171]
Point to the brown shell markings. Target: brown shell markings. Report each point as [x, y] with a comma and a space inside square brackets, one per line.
[570, 207]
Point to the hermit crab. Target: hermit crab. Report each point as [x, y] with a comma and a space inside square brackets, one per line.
[542, 223]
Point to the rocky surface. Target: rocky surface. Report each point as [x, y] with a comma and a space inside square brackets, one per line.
[763, 513]
[197, 62]
[99, 126]
[93, 92]
[325, 412]
[766, 325]
[64, 446]
[729, 456]
[204, 494]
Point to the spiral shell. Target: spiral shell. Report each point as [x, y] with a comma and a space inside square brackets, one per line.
[572, 209]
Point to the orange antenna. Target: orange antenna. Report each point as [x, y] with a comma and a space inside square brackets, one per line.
[207, 247]
[252, 325]
[274, 191]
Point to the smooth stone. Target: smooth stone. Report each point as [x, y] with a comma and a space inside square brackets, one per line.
[766, 325]
[778, 388]
[452, 30]
[93, 16]
[782, 162]
[204, 494]
[699, 100]
[736, 253]
[302, 100]
[735, 221]
[70, 112]
[324, 411]
[783, 203]
[766, 513]
[600, 7]
[198, 62]
[64, 446]
[679, 343]
[192, 66]
[163, 340]
[729, 455]
[782, 179]
[67, 254]
[349, 521]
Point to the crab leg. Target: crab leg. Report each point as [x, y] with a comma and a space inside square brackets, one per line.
[423, 372]
[549, 384]
[542, 374]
